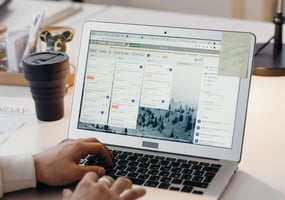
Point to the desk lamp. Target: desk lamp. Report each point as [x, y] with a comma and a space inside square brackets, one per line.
[270, 57]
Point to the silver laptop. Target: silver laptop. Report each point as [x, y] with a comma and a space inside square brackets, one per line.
[172, 98]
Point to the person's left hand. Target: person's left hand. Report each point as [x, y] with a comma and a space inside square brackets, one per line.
[60, 164]
[105, 188]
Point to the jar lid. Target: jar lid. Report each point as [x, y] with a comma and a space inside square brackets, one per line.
[3, 28]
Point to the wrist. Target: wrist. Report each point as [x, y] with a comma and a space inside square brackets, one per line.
[38, 171]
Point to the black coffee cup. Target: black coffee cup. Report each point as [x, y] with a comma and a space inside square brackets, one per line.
[47, 74]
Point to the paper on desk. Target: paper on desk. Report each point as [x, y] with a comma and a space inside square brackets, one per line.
[14, 114]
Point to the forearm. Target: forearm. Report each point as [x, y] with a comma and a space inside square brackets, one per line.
[16, 172]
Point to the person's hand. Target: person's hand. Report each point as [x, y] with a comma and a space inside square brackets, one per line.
[105, 188]
[60, 164]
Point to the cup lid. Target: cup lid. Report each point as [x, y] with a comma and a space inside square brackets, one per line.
[48, 61]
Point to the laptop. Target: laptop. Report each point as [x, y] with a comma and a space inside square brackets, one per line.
[172, 98]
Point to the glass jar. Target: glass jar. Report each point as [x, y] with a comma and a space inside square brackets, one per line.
[3, 55]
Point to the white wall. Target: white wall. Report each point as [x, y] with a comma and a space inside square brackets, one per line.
[253, 9]
[206, 7]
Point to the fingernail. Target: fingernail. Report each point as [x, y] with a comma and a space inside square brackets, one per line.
[66, 192]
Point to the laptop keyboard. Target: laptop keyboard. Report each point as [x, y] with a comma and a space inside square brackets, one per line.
[159, 171]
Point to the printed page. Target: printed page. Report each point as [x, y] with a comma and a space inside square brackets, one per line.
[13, 115]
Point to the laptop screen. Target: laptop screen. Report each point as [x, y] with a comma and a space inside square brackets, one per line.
[163, 87]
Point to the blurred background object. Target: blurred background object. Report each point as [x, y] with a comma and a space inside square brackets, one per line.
[3, 55]
[262, 10]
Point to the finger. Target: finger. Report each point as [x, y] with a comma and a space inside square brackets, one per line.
[106, 180]
[121, 184]
[66, 194]
[95, 149]
[95, 140]
[82, 170]
[92, 176]
[133, 194]
[66, 141]
[90, 140]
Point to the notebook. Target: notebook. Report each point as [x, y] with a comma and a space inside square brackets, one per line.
[165, 95]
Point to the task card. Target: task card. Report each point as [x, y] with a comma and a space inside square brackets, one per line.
[234, 54]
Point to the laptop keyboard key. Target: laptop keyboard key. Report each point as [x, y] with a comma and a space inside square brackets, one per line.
[196, 167]
[154, 178]
[204, 164]
[143, 176]
[176, 170]
[197, 178]
[154, 161]
[155, 167]
[165, 179]
[131, 169]
[175, 164]
[132, 174]
[174, 188]
[211, 169]
[198, 173]
[153, 172]
[144, 165]
[216, 165]
[198, 192]
[164, 185]
[185, 166]
[195, 184]
[137, 181]
[165, 168]
[151, 183]
[142, 170]
[187, 189]
[164, 162]
[186, 176]
[175, 175]
[122, 173]
[133, 163]
[164, 173]
[187, 171]
[176, 181]
[170, 159]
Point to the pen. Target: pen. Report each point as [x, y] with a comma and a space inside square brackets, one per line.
[31, 44]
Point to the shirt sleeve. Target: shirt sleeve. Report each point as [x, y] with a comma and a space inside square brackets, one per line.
[16, 172]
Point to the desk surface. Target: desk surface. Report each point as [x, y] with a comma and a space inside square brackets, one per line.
[261, 171]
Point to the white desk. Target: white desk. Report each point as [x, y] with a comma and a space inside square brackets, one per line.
[261, 172]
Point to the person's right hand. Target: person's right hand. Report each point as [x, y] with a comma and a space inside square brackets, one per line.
[105, 188]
